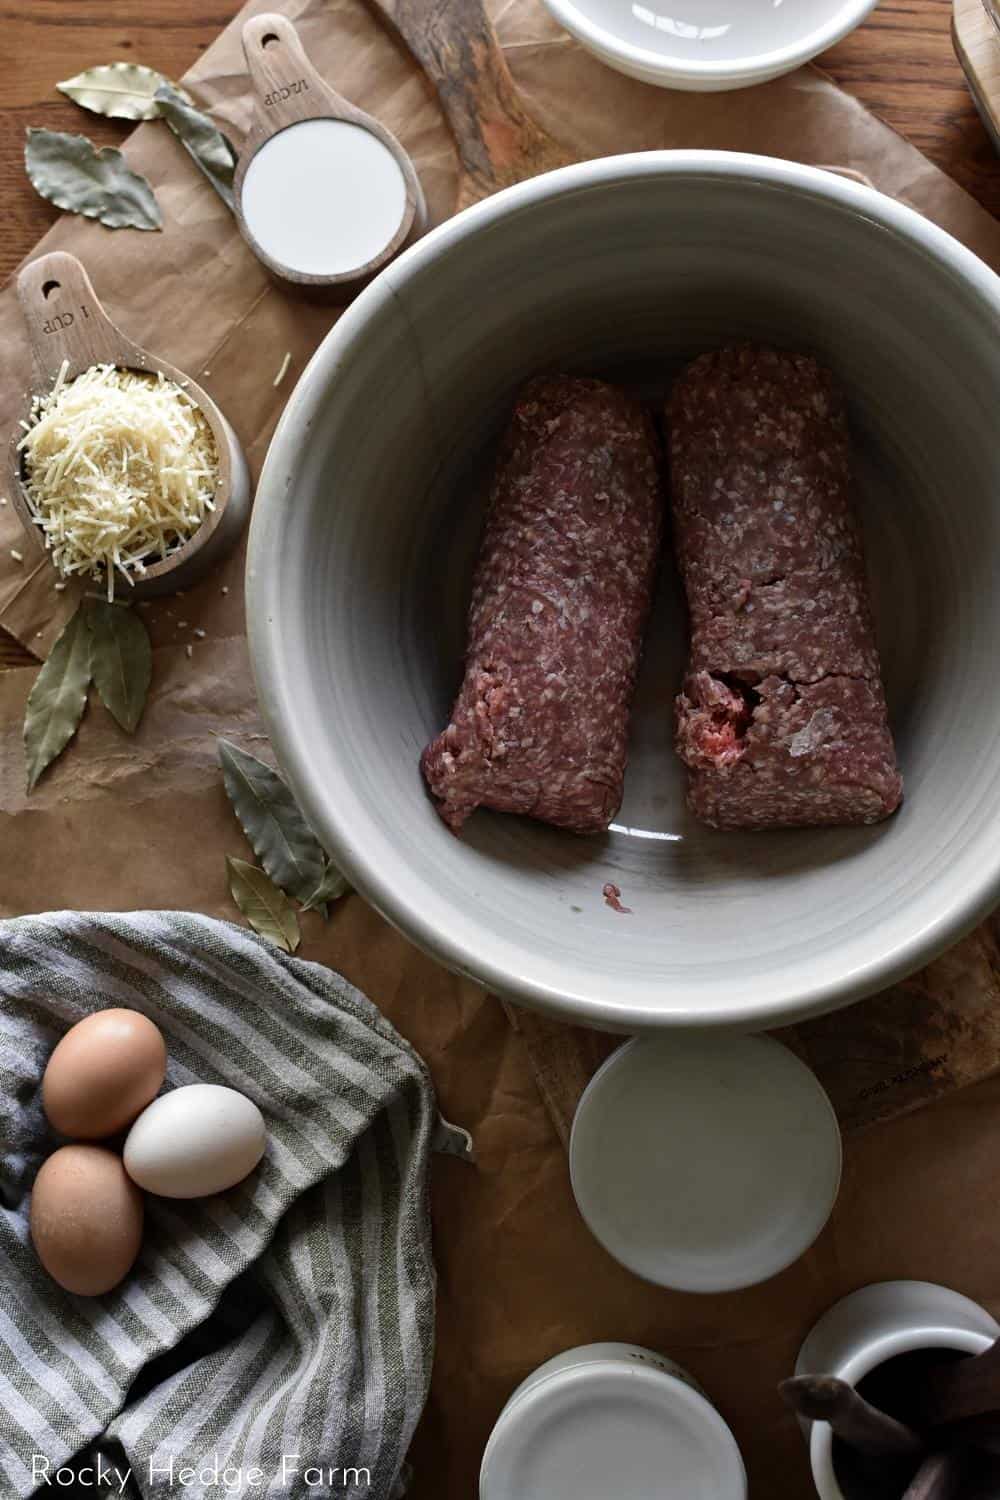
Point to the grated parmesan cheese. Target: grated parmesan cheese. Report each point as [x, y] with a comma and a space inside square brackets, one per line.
[120, 470]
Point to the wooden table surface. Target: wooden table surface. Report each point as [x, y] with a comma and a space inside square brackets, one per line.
[900, 64]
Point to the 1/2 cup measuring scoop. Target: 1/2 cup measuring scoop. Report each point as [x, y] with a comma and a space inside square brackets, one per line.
[325, 195]
[70, 333]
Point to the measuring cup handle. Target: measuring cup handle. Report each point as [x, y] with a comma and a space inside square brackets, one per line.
[286, 87]
[64, 319]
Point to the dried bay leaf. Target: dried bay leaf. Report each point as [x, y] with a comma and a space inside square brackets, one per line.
[211, 151]
[58, 698]
[121, 660]
[69, 172]
[268, 910]
[118, 90]
[269, 816]
[332, 886]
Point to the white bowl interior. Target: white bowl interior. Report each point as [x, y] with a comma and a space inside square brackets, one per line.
[366, 526]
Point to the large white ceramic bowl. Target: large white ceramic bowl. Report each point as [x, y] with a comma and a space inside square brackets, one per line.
[366, 524]
[708, 45]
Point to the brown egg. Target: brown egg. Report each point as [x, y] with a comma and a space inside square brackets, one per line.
[103, 1073]
[86, 1219]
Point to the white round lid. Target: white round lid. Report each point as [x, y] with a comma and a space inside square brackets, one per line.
[705, 1162]
[609, 1428]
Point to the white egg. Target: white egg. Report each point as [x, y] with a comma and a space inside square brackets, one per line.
[195, 1141]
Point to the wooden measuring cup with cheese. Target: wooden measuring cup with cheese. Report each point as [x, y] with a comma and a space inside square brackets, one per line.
[123, 470]
[325, 195]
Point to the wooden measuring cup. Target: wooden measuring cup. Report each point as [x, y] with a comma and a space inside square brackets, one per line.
[306, 142]
[67, 324]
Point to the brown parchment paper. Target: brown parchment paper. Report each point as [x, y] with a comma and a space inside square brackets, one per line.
[121, 824]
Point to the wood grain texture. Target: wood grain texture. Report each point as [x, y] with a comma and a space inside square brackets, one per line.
[978, 47]
[563, 1058]
[498, 141]
[900, 64]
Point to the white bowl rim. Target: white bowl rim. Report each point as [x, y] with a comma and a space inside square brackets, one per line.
[754, 68]
[338, 806]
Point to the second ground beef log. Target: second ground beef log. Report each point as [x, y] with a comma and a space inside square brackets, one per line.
[560, 599]
[782, 718]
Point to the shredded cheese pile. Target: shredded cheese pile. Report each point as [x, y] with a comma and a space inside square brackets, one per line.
[120, 469]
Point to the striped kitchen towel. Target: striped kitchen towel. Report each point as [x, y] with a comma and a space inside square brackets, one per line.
[276, 1339]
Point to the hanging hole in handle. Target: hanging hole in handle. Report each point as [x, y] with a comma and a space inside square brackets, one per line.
[48, 287]
[271, 36]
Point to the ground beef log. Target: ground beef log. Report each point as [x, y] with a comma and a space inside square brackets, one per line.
[560, 599]
[782, 718]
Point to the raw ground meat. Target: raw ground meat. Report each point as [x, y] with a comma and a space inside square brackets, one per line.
[782, 718]
[560, 599]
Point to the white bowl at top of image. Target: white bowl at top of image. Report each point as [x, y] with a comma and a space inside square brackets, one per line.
[367, 520]
[708, 45]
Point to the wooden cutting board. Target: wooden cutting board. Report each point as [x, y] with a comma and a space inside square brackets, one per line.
[935, 1032]
[497, 140]
[977, 44]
